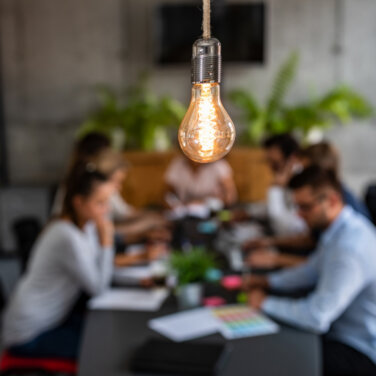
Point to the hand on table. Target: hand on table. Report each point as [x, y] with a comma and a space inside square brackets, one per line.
[130, 259]
[159, 234]
[239, 215]
[257, 243]
[263, 258]
[256, 297]
[156, 251]
[255, 281]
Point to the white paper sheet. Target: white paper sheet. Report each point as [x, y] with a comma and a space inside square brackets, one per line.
[132, 274]
[130, 299]
[186, 325]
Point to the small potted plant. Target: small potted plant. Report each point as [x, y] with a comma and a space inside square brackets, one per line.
[191, 269]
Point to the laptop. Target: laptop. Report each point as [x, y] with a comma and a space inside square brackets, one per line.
[163, 357]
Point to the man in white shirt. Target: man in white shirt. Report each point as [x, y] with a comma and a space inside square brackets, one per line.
[281, 153]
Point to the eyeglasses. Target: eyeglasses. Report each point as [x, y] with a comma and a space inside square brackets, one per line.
[307, 207]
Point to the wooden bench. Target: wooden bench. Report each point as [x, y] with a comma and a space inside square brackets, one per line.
[145, 184]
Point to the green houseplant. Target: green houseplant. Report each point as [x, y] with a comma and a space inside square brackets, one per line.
[191, 269]
[137, 117]
[339, 105]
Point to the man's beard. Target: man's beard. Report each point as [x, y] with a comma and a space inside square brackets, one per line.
[321, 225]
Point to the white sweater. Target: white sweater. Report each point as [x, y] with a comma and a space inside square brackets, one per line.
[65, 261]
[283, 217]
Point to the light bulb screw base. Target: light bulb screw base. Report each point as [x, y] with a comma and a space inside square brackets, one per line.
[206, 61]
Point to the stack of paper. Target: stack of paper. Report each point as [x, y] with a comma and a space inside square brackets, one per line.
[130, 299]
[186, 325]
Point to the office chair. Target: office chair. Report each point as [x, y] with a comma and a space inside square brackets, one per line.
[370, 200]
[26, 231]
[11, 365]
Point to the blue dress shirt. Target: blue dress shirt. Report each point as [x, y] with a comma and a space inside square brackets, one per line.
[343, 271]
[355, 203]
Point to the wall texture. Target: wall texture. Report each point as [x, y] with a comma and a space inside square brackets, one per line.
[54, 52]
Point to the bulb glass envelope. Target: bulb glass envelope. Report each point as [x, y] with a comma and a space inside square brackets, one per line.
[206, 133]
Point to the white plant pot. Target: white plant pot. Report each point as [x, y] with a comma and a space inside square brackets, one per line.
[189, 296]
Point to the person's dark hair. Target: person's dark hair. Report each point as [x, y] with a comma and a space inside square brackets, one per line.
[109, 161]
[284, 142]
[91, 145]
[80, 181]
[322, 154]
[316, 178]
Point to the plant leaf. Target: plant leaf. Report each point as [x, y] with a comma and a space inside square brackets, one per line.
[245, 101]
[282, 83]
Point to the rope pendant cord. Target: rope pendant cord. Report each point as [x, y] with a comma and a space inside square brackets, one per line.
[206, 19]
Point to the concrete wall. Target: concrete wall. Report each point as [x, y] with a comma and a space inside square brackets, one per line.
[54, 52]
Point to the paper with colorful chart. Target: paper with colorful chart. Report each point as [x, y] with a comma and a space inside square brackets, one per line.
[237, 321]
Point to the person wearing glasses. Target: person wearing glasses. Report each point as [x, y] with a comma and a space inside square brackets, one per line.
[341, 271]
[324, 155]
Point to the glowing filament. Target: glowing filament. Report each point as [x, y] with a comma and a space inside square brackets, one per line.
[206, 122]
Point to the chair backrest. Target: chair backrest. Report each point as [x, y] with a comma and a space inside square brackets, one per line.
[370, 200]
[2, 296]
[26, 231]
[11, 365]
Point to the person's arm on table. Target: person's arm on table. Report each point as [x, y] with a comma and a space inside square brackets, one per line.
[302, 276]
[341, 281]
[269, 258]
[302, 241]
[130, 259]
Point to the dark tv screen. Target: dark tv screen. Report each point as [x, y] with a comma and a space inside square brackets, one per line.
[239, 27]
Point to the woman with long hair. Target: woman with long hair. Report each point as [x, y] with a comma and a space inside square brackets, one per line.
[73, 256]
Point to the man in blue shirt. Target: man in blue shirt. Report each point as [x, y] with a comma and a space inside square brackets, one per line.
[342, 272]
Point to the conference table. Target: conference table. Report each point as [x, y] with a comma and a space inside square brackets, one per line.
[111, 337]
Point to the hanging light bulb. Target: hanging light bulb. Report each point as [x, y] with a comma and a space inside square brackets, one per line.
[206, 133]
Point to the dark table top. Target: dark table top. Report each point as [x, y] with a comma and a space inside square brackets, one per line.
[110, 338]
